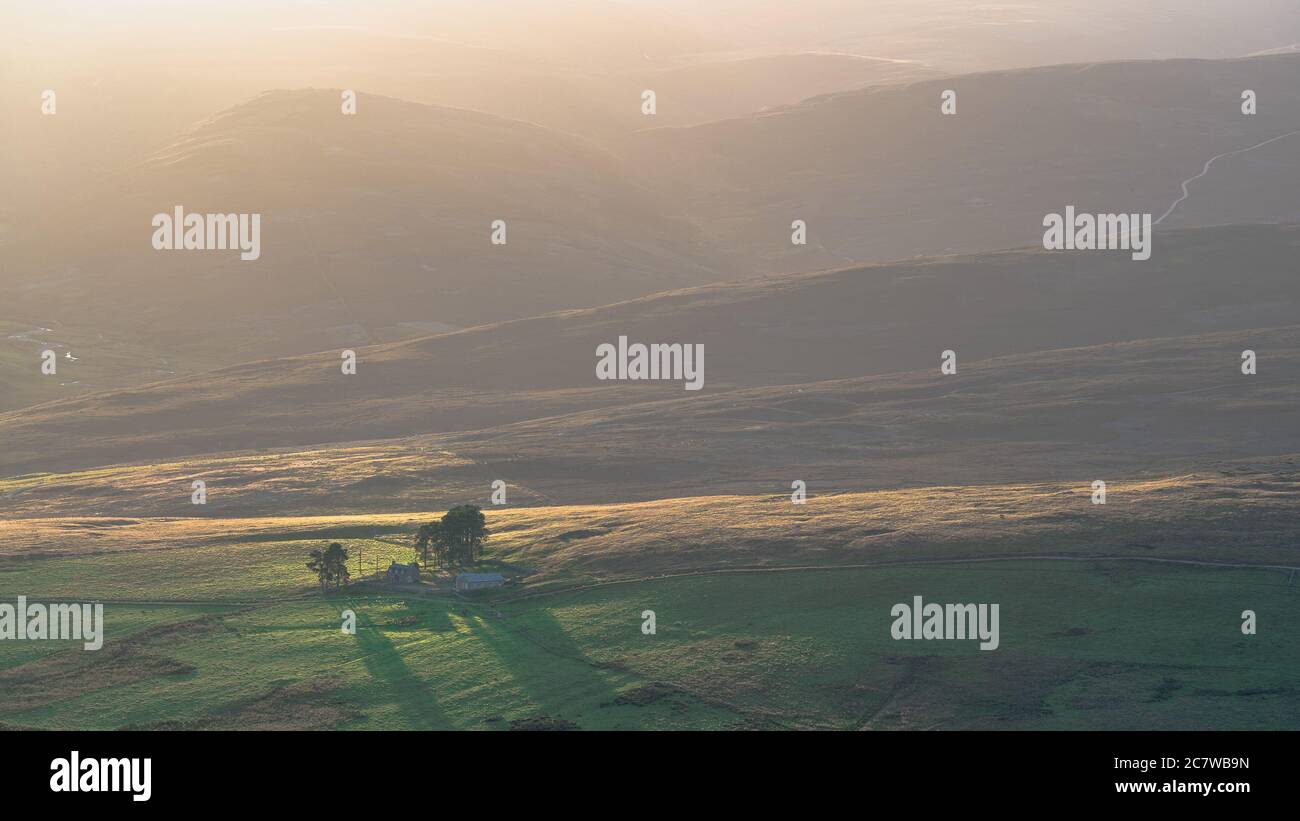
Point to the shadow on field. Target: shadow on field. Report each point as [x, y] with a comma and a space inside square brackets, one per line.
[433, 617]
[543, 637]
[412, 695]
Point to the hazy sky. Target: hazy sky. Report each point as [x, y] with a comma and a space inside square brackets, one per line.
[963, 29]
[133, 74]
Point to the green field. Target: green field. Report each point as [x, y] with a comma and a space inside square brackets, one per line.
[1084, 645]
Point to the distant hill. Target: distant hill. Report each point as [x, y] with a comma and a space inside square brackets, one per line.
[969, 35]
[880, 174]
[728, 87]
[376, 227]
[117, 112]
[758, 333]
[368, 223]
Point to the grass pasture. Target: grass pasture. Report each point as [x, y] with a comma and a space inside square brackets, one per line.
[1084, 644]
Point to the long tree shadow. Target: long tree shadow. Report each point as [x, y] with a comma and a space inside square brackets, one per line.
[412, 694]
[544, 661]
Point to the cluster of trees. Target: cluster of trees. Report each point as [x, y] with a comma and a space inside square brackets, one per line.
[456, 539]
[330, 565]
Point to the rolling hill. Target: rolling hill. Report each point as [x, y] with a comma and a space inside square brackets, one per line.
[760, 333]
[371, 237]
[880, 174]
[373, 227]
[1117, 412]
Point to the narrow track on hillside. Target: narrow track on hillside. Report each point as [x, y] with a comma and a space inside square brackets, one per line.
[1206, 169]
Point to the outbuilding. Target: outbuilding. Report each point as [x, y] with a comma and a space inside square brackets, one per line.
[479, 581]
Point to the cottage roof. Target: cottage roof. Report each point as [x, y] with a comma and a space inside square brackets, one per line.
[480, 577]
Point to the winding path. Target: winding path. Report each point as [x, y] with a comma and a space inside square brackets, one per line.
[1206, 170]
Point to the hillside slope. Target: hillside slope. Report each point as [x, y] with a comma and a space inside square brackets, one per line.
[763, 332]
[880, 174]
[1114, 412]
[373, 227]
